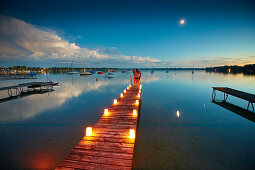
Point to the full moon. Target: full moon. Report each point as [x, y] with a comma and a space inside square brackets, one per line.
[182, 21]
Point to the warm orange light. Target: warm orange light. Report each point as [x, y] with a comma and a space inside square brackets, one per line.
[139, 91]
[115, 101]
[125, 91]
[121, 94]
[134, 112]
[140, 86]
[132, 134]
[137, 102]
[128, 88]
[138, 95]
[130, 85]
[106, 111]
[229, 70]
[89, 131]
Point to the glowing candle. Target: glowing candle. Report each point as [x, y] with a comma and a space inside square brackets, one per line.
[128, 87]
[134, 112]
[89, 131]
[136, 102]
[125, 91]
[138, 95]
[121, 94]
[115, 101]
[140, 86]
[106, 111]
[132, 134]
[139, 91]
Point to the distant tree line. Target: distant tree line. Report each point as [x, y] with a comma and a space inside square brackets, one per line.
[246, 69]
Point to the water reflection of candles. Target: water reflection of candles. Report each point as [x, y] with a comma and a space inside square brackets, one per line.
[115, 101]
[177, 113]
[132, 133]
[89, 131]
[106, 111]
[134, 112]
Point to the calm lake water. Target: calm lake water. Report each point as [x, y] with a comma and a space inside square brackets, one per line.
[37, 131]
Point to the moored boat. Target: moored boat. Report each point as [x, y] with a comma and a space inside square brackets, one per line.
[86, 73]
[109, 75]
[73, 72]
[100, 72]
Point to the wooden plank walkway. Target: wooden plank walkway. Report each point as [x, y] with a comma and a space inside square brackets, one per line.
[240, 94]
[112, 141]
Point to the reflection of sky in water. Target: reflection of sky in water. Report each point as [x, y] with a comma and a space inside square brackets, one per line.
[179, 127]
[38, 130]
[202, 135]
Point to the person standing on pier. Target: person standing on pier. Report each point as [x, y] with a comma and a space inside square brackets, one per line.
[137, 76]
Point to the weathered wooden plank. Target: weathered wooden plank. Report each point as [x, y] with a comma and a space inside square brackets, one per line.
[90, 165]
[127, 148]
[102, 153]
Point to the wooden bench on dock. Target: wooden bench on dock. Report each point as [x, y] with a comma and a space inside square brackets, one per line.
[109, 144]
[240, 94]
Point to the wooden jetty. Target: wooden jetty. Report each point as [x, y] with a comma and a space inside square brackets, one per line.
[109, 144]
[20, 87]
[240, 94]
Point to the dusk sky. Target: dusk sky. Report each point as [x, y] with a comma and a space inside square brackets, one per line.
[127, 33]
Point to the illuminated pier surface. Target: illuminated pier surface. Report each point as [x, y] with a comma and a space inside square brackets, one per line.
[111, 142]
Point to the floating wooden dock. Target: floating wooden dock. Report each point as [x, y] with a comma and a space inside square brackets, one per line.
[20, 87]
[240, 94]
[109, 144]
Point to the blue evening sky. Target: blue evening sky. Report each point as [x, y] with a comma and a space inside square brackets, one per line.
[213, 29]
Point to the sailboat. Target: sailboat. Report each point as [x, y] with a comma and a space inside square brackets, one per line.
[73, 72]
[84, 72]
[109, 74]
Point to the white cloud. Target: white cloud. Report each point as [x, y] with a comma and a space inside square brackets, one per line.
[20, 40]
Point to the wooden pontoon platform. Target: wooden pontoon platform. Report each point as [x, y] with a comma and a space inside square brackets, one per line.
[19, 87]
[240, 94]
[111, 144]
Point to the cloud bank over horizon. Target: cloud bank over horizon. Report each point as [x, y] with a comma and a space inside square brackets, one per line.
[20, 40]
[24, 43]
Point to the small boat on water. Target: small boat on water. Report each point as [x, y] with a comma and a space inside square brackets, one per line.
[100, 72]
[109, 75]
[86, 73]
[92, 72]
[73, 72]
[124, 71]
[32, 73]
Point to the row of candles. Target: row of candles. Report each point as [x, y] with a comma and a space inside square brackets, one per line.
[115, 102]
